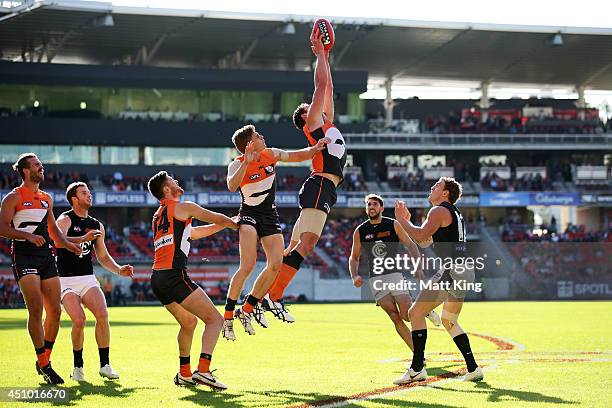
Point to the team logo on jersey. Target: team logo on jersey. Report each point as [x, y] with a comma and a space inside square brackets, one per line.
[254, 176]
[44, 204]
[86, 248]
[76, 228]
[27, 204]
[379, 250]
[369, 236]
[269, 170]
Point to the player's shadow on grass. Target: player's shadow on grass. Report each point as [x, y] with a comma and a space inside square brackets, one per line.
[110, 389]
[9, 324]
[505, 394]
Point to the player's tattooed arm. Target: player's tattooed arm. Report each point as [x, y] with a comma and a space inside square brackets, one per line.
[302, 154]
[354, 260]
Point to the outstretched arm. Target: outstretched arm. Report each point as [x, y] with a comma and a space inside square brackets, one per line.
[314, 119]
[190, 209]
[302, 154]
[203, 231]
[328, 104]
[107, 261]
[412, 248]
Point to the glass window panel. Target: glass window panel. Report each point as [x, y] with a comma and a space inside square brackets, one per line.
[52, 154]
[189, 156]
[119, 155]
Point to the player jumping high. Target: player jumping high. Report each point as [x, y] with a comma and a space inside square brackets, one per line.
[79, 284]
[182, 297]
[26, 217]
[318, 193]
[444, 225]
[254, 174]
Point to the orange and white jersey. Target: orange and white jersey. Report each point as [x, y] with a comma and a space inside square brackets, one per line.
[31, 216]
[258, 187]
[171, 238]
[332, 159]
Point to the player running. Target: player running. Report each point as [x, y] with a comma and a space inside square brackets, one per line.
[26, 217]
[318, 193]
[78, 282]
[444, 225]
[184, 299]
[380, 237]
[254, 174]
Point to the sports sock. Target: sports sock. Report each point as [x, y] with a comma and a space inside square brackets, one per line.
[204, 364]
[463, 344]
[419, 339]
[42, 358]
[230, 305]
[291, 264]
[78, 357]
[250, 304]
[103, 351]
[185, 366]
[49, 348]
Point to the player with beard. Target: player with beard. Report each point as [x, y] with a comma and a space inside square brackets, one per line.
[445, 227]
[79, 284]
[381, 237]
[182, 297]
[26, 217]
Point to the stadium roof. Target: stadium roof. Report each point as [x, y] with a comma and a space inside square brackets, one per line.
[101, 33]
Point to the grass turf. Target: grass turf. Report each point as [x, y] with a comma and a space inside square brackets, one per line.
[335, 351]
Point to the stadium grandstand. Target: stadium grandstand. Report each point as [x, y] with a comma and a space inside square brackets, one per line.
[112, 94]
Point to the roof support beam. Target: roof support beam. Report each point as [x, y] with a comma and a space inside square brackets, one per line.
[435, 51]
[597, 74]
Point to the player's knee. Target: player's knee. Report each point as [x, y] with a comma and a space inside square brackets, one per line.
[214, 320]
[404, 315]
[78, 322]
[415, 313]
[395, 317]
[245, 268]
[307, 244]
[53, 311]
[101, 316]
[189, 323]
[274, 267]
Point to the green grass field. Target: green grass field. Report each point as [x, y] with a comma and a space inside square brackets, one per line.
[557, 353]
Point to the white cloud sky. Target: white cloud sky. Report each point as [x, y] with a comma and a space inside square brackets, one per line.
[585, 13]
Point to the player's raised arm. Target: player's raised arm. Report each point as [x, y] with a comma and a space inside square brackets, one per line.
[430, 226]
[354, 260]
[412, 248]
[302, 154]
[237, 169]
[189, 209]
[314, 119]
[328, 104]
[106, 260]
